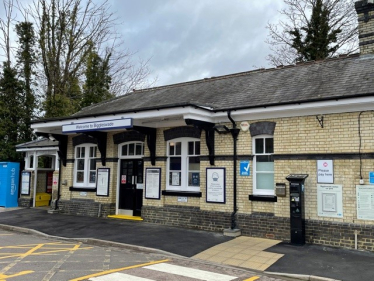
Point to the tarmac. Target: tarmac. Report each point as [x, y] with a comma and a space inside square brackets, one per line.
[307, 262]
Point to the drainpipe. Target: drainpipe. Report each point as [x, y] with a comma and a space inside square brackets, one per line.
[234, 132]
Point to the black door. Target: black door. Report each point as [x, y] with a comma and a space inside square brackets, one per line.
[131, 186]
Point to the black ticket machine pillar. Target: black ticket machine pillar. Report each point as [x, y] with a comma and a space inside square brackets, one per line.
[297, 208]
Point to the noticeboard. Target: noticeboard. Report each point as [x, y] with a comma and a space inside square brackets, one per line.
[102, 183]
[330, 200]
[25, 183]
[216, 185]
[152, 183]
[365, 202]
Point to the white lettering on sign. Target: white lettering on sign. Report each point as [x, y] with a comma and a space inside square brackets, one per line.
[97, 125]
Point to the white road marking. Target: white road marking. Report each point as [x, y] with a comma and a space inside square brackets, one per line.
[118, 277]
[189, 272]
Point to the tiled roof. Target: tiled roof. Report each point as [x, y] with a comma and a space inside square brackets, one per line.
[348, 76]
[39, 143]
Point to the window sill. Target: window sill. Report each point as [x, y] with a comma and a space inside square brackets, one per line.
[83, 189]
[263, 198]
[181, 193]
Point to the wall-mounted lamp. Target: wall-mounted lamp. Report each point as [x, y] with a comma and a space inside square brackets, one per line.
[221, 129]
[320, 120]
[51, 137]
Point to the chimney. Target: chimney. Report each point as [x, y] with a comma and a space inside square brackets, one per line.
[365, 12]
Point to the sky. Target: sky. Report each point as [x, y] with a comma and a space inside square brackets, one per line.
[187, 40]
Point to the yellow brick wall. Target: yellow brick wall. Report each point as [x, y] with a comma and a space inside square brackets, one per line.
[366, 28]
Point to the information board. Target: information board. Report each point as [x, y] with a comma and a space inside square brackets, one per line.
[215, 185]
[102, 183]
[152, 183]
[25, 183]
[365, 202]
[330, 200]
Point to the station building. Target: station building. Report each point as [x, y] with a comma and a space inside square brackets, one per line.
[214, 154]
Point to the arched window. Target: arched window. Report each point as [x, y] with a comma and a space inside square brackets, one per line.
[131, 150]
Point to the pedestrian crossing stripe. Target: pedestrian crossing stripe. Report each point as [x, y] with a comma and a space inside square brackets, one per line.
[170, 269]
[189, 272]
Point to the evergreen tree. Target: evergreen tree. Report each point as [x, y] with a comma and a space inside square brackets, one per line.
[26, 59]
[97, 84]
[313, 29]
[316, 40]
[11, 101]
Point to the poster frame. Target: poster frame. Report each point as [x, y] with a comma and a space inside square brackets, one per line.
[147, 182]
[106, 184]
[209, 173]
[28, 187]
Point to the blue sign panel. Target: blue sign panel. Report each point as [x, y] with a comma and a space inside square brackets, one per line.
[244, 168]
[371, 177]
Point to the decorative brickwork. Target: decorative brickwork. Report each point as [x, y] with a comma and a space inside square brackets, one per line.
[182, 132]
[81, 139]
[127, 137]
[262, 128]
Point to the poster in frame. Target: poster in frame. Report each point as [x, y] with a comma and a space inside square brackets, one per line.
[216, 185]
[102, 183]
[25, 183]
[152, 183]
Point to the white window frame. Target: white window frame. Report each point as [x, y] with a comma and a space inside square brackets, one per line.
[184, 166]
[135, 156]
[86, 183]
[257, 191]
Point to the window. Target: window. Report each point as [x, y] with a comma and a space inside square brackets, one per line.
[131, 149]
[183, 167]
[263, 165]
[85, 166]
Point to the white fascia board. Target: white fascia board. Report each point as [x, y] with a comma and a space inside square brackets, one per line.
[37, 149]
[138, 117]
[302, 109]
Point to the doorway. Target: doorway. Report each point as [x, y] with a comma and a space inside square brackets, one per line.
[130, 196]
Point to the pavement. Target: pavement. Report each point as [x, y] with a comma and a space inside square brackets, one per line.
[307, 262]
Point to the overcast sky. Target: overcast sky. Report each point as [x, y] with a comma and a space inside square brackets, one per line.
[194, 39]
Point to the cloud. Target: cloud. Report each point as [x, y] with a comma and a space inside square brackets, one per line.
[188, 40]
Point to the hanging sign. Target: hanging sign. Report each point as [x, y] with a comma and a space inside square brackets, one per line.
[325, 171]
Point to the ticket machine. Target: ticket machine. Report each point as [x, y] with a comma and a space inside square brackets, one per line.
[297, 208]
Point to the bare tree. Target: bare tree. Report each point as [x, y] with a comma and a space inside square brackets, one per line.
[297, 15]
[5, 30]
[68, 30]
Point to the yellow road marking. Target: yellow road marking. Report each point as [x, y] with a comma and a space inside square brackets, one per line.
[116, 270]
[32, 252]
[4, 277]
[252, 278]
